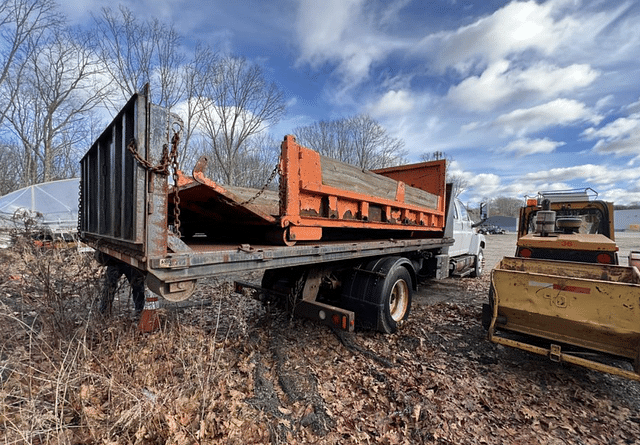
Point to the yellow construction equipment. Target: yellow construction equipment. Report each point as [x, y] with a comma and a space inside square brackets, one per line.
[564, 295]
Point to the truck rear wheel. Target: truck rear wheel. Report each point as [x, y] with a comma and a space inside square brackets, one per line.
[379, 292]
[396, 299]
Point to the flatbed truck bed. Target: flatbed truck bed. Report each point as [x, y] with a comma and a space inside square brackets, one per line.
[340, 241]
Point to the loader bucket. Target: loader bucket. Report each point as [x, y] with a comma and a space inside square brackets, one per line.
[575, 307]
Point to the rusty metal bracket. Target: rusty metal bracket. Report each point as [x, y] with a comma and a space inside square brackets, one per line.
[323, 313]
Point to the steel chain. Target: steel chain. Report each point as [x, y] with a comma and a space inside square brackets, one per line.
[162, 167]
[176, 187]
[276, 171]
[169, 159]
[80, 209]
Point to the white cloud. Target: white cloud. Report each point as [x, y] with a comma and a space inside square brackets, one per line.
[621, 147]
[517, 27]
[611, 183]
[634, 107]
[483, 183]
[340, 32]
[392, 102]
[590, 173]
[620, 137]
[478, 185]
[559, 112]
[498, 84]
[620, 128]
[620, 196]
[551, 28]
[604, 102]
[321, 38]
[524, 146]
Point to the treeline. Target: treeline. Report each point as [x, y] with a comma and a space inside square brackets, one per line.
[505, 206]
[61, 85]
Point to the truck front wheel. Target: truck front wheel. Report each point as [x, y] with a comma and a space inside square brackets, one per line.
[478, 268]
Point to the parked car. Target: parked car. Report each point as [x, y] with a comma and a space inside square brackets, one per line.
[491, 230]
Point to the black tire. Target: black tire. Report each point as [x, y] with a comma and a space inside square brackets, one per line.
[478, 268]
[379, 292]
[487, 310]
[395, 299]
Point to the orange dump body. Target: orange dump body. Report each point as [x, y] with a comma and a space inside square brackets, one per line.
[320, 198]
[321, 193]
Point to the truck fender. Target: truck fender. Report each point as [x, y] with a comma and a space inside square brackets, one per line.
[477, 242]
[370, 288]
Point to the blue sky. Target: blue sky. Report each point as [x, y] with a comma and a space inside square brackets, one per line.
[523, 96]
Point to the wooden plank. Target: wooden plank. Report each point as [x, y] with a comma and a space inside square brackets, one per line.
[348, 177]
[268, 200]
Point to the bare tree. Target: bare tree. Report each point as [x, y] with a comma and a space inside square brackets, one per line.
[60, 86]
[240, 104]
[136, 53]
[258, 162]
[505, 206]
[197, 73]
[329, 138]
[23, 24]
[358, 140]
[373, 147]
[10, 163]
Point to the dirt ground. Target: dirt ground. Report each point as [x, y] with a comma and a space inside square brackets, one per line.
[224, 368]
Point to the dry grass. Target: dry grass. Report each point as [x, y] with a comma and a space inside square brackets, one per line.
[71, 376]
[224, 370]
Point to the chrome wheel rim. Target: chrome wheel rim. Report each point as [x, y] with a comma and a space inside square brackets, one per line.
[399, 300]
[480, 261]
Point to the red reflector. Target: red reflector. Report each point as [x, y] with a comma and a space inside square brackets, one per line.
[604, 258]
[532, 202]
[525, 253]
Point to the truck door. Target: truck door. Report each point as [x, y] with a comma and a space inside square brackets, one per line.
[462, 230]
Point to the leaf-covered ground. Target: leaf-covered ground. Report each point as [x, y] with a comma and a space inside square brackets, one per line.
[223, 368]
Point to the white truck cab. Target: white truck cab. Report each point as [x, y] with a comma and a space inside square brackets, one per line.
[466, 256]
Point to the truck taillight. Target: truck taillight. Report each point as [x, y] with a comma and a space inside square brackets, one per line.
[524, 253]
[532, 202]
[604, 258]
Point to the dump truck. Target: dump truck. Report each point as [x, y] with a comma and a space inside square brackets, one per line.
[339, 244]
[564, 294]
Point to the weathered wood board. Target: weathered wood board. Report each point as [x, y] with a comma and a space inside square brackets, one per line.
[348, 177]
